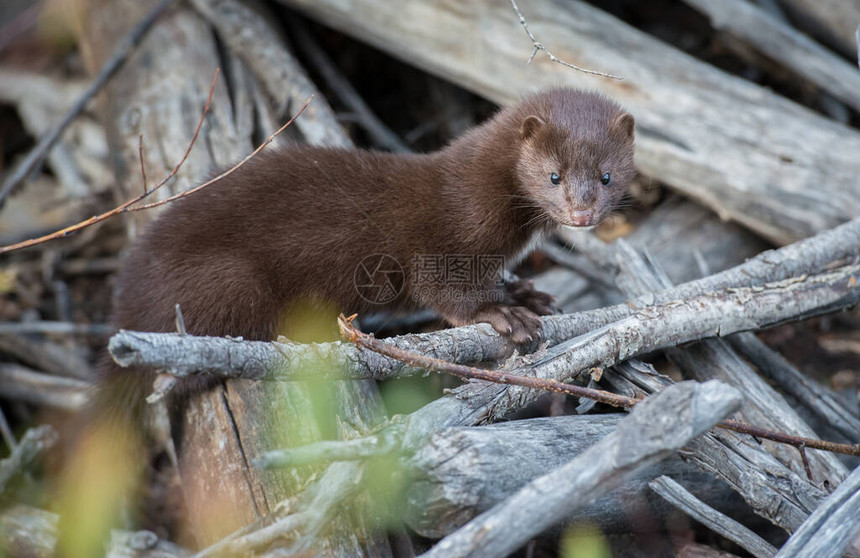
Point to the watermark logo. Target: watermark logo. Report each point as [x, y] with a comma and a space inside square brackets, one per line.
[457, 277]
[379, 279]
[457, 270]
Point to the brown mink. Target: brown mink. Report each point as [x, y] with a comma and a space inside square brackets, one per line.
[363, 231]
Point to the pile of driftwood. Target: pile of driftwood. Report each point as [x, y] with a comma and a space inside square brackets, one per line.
[739, 450]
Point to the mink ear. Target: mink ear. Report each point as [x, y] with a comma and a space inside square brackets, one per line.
[530, 126]
[624, 125]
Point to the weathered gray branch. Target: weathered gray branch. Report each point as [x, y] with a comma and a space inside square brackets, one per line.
[711, 315]
[774, 491]
[23, 384]
[715, 359]
[789, 47]
[381, 134]
[679, 496]
[30, 447]
[833, 21]
[38, 153]
[831, 527]
[461, 472]
[27, 531]
[814, 396]
[650, 328]
[653, 431]
[252, 38]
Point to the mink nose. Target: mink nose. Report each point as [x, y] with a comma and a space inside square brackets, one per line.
[581, 218]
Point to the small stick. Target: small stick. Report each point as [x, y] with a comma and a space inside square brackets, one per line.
[796, 441]
[124, 206]
[37, 155]
[6, 432]
[421, 361]
[165, 382]
[142, 165]
[538, 46]
[349, 331]
[381, 133]
[229, 171]
[180, 321]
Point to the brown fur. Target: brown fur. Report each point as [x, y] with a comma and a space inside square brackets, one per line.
[295, 223]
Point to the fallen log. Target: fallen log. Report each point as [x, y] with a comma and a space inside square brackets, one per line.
[464, 471]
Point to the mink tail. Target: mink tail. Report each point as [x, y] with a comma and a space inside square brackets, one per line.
[103, 461]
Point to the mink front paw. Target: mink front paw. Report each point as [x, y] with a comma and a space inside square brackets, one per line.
[517, 323]
[523, 293]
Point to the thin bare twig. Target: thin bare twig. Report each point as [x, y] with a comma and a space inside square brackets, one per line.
[381, 133]
[32, 445]
[539, 46]
[37, 155]
[229, 171]
[349, 331]
[142, 164]
[127, 206]
[124, 206]
[420, 361]
[6, 432]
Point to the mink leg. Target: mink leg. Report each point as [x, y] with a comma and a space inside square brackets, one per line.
[510, 318]
[523, 293]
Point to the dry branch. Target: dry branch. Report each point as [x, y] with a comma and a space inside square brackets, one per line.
[786, 46]
[23, 384]
[718, 313]
[715, 359]
[833, 21]
[814, 396]
[35, 157]
[653, 431]
[461, 472]
[27, 531]
[29, 448]
[381, 134]
[129, 205]
[774, 491]
[736, 532]
[540, 47]
[123, 207]
[831, 527]
[251, 37]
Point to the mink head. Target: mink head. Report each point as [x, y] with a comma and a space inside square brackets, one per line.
[576, 155]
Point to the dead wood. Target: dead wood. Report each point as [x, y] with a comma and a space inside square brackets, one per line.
[27, 531]
[832, 527]
[24, 384]
[673, 492]
[833, 21]
[34, 443]
[786, 46]
[715, 359]
[773, 490]
[464, 471]
[653, 431]
[39, 152]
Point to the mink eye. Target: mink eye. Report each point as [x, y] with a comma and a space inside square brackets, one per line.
[554, 178]
[605, 179]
